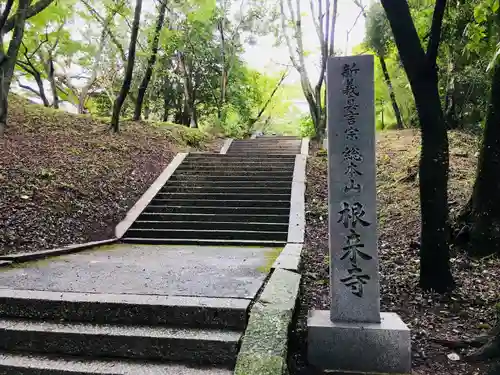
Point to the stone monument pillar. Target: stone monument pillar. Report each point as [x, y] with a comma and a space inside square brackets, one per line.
[354, 335]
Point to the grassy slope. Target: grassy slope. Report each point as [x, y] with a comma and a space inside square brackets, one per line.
[468, 312]
[65, 179]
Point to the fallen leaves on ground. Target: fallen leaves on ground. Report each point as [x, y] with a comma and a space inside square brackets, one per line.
[66, 179]
[466, 313]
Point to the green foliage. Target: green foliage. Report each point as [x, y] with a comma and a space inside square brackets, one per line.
[307, 126]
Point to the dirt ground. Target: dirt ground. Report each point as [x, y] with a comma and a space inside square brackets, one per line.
[66, 179]
[466, 313]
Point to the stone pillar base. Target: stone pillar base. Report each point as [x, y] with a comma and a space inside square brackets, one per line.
[359, 347]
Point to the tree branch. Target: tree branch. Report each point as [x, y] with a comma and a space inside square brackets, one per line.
[293, 59]
[5, 13]
[99, 19]
[435, 36]
[28, 88]
[30, 12]
[266, 104]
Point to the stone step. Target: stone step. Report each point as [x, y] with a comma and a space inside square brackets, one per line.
[241, 167]
[230, 172]
[229, 184]
[205, 242]
[215, 224]
[234, 158]
[207, 234]
[113, 341]
[193, 312]
[36, 364]
[269, 144]
[232, 178]
[288, 153]
[217, 210]
[267, 151]
[254, 151]
[235, 218]
[219, 203]
[222, 196]
[225, 189]
[267, 140]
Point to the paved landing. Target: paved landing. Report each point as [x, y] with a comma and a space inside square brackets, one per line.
[229, 272]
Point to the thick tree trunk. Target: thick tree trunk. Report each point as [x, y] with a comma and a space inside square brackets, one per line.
[485, 213]
[151, 61]
[435, 273]
[190, 118]
[395, 106]
[8, 61]
[117, 106]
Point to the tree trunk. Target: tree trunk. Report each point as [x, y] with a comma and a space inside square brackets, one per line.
[166, 100]
[268, 101]
[421, 69]
[395, 106]
[53, 86]
[151, 61]
[28, 67]
[189, 93]
[8, 61]
[485, 213]
[122, 95]
[223, 78]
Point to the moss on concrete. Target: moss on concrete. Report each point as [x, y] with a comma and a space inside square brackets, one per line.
[271, 256]
[265, 343]
[260, 364]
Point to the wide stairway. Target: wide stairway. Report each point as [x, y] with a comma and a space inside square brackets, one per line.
[71, 333]
[238, 198]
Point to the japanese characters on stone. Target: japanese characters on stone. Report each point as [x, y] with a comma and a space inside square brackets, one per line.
[352, 211]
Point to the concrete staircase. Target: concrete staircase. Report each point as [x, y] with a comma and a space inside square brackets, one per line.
[215, 199]
[239, 198]
[266, 146]
[70, 333]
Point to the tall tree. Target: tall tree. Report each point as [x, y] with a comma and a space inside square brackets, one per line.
[129, 70]
[16, 24]
[482, 214]
[151, 61]
[378, 39]
[422, 72]
[324, 14]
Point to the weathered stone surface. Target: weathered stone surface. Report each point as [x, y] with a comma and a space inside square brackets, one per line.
[361, 347]
[103, 308]
[139, 342]
[223, 272]
[36, 255]
[297, 223]
[304, 149]
[289, 259]
[281, 291]
[264, 347]
[225, 147]
[38, 364]
[256, 363]
[352, 209]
